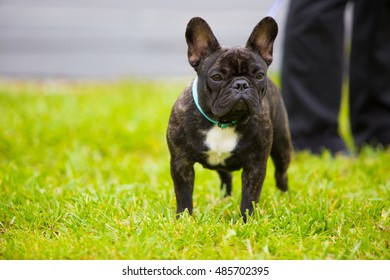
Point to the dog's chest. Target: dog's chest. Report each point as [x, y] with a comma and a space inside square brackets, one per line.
[220, 143]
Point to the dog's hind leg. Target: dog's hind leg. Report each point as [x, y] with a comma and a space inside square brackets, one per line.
[226, 182]
[280, 154]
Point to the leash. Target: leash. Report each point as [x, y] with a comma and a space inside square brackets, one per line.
[195, 97]
[275, 8]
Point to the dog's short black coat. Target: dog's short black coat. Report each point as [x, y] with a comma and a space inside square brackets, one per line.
[233, 90]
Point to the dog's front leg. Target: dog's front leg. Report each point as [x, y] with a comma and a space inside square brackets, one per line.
[253, 176]
[183, 175]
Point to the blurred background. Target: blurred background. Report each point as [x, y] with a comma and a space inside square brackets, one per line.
[115, 39]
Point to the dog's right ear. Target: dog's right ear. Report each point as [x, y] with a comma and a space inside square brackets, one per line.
[200, 40]
[263, 37]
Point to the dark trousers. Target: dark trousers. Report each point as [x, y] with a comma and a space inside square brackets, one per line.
[312, 72]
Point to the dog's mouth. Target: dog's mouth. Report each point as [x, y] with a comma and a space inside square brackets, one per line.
[238, 111]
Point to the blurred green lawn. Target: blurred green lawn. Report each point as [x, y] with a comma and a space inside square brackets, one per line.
[84, 174]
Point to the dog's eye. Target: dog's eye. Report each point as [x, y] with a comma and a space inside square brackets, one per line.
[259, 76]
[216, 78]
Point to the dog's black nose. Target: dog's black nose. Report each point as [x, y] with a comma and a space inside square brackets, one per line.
[240, 85]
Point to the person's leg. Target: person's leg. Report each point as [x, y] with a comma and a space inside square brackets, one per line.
[370, 73]
[312, 71]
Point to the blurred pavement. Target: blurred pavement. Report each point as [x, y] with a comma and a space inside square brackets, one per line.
[111, 39]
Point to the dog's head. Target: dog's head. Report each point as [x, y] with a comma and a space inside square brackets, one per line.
[231, 81]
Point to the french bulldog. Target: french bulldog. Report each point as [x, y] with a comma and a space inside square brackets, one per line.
[230, 117]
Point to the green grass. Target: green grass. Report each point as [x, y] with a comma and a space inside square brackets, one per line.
[84, 174]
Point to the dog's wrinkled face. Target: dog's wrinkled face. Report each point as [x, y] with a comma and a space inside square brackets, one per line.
[236, 83]
[232, 81]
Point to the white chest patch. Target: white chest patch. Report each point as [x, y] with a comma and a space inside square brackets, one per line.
[221, 143]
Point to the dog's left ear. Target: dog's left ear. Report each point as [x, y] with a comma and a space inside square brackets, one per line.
[200, 40]
[263, 37]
